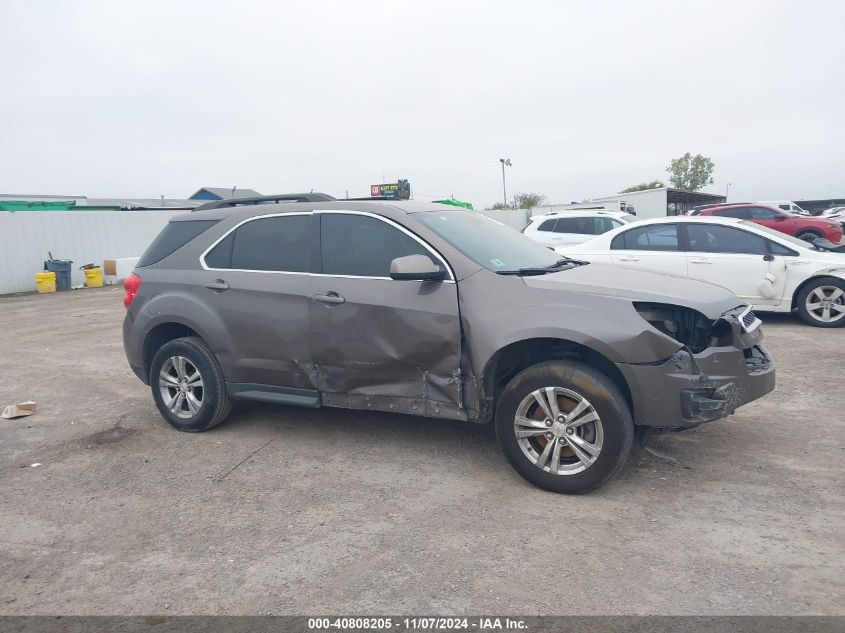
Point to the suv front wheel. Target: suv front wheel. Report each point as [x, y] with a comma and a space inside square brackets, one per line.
[564, 426]
[188, 386]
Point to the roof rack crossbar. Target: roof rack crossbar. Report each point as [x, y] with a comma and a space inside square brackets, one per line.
[283, 197]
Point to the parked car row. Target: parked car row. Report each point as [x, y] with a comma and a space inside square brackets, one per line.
[769, 269]
[803, 227]
[441, 312]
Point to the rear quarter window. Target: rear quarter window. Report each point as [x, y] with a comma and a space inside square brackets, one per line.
[173, 237]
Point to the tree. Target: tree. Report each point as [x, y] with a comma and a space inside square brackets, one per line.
[691, 172]
[528, 200]
[654, 184]
[499, 206]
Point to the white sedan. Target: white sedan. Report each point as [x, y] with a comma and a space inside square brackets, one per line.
[771, 270]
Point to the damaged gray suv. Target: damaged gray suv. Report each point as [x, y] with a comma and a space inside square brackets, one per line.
[434, 311]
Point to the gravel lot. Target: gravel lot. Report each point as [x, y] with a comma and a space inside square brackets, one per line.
[287, 510]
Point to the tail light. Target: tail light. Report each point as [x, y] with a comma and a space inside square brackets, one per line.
[130, 287]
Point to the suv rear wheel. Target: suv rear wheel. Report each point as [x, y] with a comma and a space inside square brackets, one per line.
[188, 386]
[564, 426]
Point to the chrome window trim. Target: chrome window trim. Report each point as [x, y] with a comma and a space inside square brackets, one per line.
[436, 255]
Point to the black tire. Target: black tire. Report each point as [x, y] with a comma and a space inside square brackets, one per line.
[215, 401]
[809, 289]
[808, 236]
[606, 401]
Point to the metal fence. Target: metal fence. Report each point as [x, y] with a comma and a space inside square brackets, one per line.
[83, 236]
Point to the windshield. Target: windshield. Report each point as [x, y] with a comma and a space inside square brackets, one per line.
[486, 242]
[773, 233]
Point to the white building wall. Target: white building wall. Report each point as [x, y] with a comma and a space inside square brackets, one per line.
[83, 236]
[651, 203]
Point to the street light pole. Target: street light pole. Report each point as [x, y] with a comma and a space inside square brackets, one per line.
[504, 161]
[727, 189]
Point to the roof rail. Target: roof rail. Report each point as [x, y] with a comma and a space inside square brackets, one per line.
[282, 197]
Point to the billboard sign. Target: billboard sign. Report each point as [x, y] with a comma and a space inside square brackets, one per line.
[400, 190]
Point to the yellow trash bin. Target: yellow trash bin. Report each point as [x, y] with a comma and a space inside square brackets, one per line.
[45, 282]
[93, 277]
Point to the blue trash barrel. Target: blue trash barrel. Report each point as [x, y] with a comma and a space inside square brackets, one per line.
[62, 269]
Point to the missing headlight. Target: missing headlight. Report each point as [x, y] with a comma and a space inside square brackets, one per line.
[687, 326]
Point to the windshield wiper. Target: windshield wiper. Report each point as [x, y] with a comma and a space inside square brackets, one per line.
[562, 264]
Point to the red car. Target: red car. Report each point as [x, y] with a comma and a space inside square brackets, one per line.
[803, 227]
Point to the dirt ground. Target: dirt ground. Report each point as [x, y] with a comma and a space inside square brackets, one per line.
[104, 509]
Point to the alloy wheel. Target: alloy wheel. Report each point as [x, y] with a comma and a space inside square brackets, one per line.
[558, 430]
[181, 386]
[826, 303]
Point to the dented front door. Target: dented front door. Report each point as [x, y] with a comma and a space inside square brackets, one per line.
[378, 343]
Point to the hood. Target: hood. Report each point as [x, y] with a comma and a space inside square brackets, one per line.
[637, 284]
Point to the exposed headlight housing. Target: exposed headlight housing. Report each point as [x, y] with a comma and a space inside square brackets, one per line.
[687, 326]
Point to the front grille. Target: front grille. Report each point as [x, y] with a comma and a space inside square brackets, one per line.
[748, 319]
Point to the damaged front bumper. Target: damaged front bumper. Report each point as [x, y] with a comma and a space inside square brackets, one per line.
[688, 389]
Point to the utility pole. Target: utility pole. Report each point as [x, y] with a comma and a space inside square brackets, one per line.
[727, 190]
[504, 161]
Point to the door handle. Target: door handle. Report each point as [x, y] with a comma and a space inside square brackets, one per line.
[217, 286]
[700, 261]
[629, 258]
[329, 297]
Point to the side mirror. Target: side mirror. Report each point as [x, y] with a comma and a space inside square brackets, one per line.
[780, 218]
[416, 268]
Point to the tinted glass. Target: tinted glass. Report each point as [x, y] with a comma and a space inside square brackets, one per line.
[738, 212]
[276, 244]
[548, 225]
[801, 244]
[221, 255]
[582, 226]
[487, 242]
[363, 246]
[714, 238]
[603, 225]
[173, 237]
[660, 237]
[762, 213]
[779, 249]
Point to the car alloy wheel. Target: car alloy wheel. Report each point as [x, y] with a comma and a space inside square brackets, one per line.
[181, 386]
[558, 430]
[826, 304]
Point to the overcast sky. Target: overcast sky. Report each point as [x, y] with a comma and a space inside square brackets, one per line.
[148, 98]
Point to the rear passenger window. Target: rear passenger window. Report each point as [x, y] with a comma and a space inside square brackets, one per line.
[548, 225]
[278, 244]
[173, 237]
[362, 246]
[660, 237]
[583, 226]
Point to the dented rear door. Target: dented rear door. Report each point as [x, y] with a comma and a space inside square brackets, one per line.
[378, 343]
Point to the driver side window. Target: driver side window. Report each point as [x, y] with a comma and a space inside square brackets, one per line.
[715, 238]
[762, 213]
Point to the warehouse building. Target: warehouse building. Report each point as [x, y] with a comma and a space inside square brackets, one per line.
[658, 203]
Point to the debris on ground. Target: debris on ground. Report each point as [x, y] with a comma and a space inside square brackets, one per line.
[19, 410]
